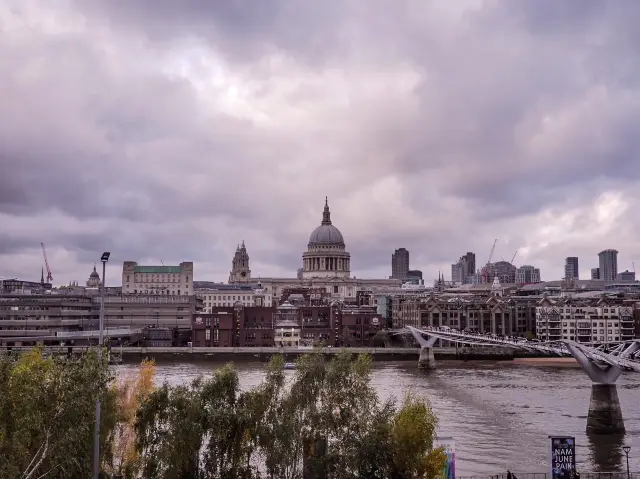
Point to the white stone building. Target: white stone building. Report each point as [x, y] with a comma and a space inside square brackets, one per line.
[228, 295]
[162, 280]
[584, 321]
[325, 265]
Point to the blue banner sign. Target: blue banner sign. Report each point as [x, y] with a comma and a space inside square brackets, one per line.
[562, 457]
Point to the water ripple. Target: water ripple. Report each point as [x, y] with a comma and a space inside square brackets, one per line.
[500, 414]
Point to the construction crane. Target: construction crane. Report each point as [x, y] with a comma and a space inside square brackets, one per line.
[46, 263]
[485, 270]
[514, 257]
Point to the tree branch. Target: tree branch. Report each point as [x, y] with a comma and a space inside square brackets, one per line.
[43, 450]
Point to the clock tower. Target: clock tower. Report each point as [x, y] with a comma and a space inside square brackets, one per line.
[240, 272]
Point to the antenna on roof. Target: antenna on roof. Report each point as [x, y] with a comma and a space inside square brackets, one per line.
[161, 263]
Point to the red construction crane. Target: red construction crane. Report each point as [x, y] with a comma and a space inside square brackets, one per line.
[46, 263]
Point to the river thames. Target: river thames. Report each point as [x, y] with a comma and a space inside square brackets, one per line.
[499, 413]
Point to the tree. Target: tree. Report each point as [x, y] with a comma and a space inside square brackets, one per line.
[327, 422]
[381, 339]
[130, 393]
[412, 436]
[47, 407]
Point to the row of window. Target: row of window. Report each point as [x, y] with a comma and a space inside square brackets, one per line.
[242, 297]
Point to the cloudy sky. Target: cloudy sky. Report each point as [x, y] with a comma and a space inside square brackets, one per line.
[165, 130]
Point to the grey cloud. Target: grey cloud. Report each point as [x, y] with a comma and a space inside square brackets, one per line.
[105, 145]
[91, 127]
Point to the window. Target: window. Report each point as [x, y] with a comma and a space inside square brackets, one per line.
[207, 335]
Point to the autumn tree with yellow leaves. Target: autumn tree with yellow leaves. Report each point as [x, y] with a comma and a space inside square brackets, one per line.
[130, 392]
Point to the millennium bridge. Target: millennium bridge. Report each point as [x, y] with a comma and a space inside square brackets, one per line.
[603, 364]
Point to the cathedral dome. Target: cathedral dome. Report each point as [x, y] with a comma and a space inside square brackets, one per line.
[326, 233]
[94, 273]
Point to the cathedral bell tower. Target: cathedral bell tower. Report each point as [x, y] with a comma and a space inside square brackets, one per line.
[240, 272]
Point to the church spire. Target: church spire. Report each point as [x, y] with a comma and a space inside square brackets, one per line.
[42, 276]
[326, 214]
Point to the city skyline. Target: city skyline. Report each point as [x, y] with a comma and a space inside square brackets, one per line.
[431, 126]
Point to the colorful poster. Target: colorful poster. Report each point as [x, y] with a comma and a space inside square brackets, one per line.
[562, 457]
[449, 471]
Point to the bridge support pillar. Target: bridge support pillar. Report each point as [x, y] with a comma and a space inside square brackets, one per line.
[427, 359]
[605, 414]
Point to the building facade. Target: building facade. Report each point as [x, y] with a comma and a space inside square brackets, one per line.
[571, 268]
[326, 266]
[503, 270]
[608, 264]
[228, 295]
[527, 274]
[287, 325]
[626, 276]
[400, 264]
[160, 280]
[240, 272]
[464, 269]
[587, 321]
[492, 314]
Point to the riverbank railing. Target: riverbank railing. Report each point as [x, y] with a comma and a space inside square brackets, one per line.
[542, 475]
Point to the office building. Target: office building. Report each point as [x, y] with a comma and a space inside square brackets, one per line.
[463, 270]
[571, 269]
[608, 264]
[527, 274]
[400, 264]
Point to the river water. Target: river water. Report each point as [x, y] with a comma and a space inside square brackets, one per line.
[499, 413]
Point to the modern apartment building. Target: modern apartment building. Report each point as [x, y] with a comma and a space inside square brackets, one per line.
[589, 322]
[157, 280]
[571, 268]
[608, 264]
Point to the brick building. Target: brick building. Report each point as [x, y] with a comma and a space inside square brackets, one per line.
[292, 325]
[234, 327]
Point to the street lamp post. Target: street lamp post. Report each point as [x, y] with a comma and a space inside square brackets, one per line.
[96, 435]
[626, 450]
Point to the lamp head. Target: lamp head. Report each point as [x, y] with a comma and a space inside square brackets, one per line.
[105, 257]
[626, 449]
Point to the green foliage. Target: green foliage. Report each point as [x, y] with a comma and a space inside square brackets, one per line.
[47, 411]
[325, 422]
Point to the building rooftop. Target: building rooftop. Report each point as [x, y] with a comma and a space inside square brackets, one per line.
[157, 269]
[222, 287]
